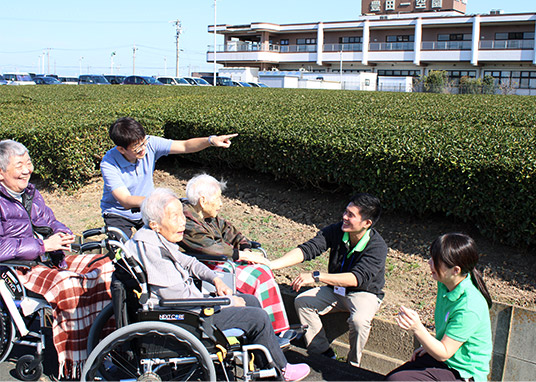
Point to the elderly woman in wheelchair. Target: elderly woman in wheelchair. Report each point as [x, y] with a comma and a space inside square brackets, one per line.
[171, 303]
[207, 233]
[32, 241]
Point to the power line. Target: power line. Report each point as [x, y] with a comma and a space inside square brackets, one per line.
[71, 21]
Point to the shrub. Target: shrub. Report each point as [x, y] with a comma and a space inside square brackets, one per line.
[468, 156]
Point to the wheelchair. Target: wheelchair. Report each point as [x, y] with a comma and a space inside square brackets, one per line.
[21, 310]
[175, 340]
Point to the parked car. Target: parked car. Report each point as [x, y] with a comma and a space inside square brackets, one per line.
[258, 85]
[197, 81]
[18, 79]
[114, 79]
[2, 80]
[141, 80]
[220, 81]
[92, 79]
[244, 84]
[47, 81]
[69, 80]
[177, 81]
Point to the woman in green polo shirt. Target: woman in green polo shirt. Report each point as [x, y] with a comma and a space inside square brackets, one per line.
[461, 348]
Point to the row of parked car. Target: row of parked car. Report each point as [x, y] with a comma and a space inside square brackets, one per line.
[92, 79]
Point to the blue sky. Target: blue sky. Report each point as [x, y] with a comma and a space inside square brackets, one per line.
[66, 36]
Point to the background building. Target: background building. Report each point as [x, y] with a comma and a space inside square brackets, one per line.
[427, 35]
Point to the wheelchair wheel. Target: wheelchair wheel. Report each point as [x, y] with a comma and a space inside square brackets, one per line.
[150, 350]
[7, 333]
[24, 372]
[98, 328]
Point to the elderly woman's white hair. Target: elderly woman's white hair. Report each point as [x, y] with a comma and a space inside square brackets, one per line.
[8, 149]
[152, 207]
[203, 185]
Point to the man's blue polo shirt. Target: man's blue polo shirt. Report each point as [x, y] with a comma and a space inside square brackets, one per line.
[136, 177]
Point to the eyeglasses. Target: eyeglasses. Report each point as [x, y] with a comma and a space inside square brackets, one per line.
[141, 146]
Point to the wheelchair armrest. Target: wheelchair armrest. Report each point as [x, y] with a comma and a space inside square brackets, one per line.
[212, 258]
[195, 302]
[255, 244]
[19, 263]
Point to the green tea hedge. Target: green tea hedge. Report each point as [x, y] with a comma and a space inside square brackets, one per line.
[469, 156]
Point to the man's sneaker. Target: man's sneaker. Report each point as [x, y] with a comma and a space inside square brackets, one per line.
[329, 353]
[296, 372]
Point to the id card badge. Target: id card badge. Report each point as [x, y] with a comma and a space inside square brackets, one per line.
[339, 290]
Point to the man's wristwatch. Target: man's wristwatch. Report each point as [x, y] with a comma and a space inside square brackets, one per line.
[316, 276]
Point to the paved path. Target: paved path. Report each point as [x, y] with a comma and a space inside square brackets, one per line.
[322, 368]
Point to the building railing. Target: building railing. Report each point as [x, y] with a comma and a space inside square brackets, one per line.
[356, 47]
[507, 44]
[446, 45]
[377, 46]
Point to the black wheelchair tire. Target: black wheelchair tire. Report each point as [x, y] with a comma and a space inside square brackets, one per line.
[112, 348]
[7, 333]
[26, 374]
[97, 327]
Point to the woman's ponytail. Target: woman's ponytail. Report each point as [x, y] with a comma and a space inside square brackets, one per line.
[478, 281]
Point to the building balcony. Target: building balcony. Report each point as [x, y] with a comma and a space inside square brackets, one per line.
[390, 46]
[506, 44]
[357, 47]
[446, 45]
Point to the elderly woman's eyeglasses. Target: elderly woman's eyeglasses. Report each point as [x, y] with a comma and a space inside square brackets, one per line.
[138, 149]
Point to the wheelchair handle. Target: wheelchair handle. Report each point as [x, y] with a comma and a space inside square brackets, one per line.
[93, 232]
[90, 246]
[255, 244]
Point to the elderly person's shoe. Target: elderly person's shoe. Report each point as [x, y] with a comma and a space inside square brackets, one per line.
[296, 372]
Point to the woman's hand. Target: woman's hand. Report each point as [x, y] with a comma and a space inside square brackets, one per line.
[419, 352]
[409, 320]
[253, 257]
[58, 241]
[221, 288]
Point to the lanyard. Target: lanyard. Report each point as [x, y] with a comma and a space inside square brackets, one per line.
[360, 246]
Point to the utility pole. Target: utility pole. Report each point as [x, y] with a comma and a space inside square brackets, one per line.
[134, 49]
[178, 28]
[81, 58]
[215, 70]
[112, 63]
[48, 61]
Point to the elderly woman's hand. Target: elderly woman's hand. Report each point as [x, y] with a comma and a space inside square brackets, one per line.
[253, 257]
[58, 241]
[221, 288]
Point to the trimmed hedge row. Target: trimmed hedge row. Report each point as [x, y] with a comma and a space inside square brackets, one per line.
[472, 157]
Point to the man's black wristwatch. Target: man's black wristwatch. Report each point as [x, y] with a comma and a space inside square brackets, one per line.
[316, 276]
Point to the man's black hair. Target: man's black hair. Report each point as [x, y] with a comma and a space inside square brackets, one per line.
[369, 206]
[126, 131]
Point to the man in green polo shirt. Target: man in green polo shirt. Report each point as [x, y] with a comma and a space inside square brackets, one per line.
[355, 277]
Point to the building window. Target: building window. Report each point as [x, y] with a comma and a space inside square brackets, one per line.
[350, 40]
[400, 38]
[419, 4]
[390, 5]
[437, 3]
[454, 37]
[398, 73]
[283, 41]
[375, 6]
[514, 36]
[306, 41]
[516, 79]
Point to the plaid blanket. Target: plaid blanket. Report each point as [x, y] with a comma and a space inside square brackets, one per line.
[258, 280]
[77, 294]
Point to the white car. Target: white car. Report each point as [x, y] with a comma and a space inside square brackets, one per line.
[196, 81]
[173, 81]
[18, 78]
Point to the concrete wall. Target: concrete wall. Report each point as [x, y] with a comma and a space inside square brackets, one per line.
[513, 330]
